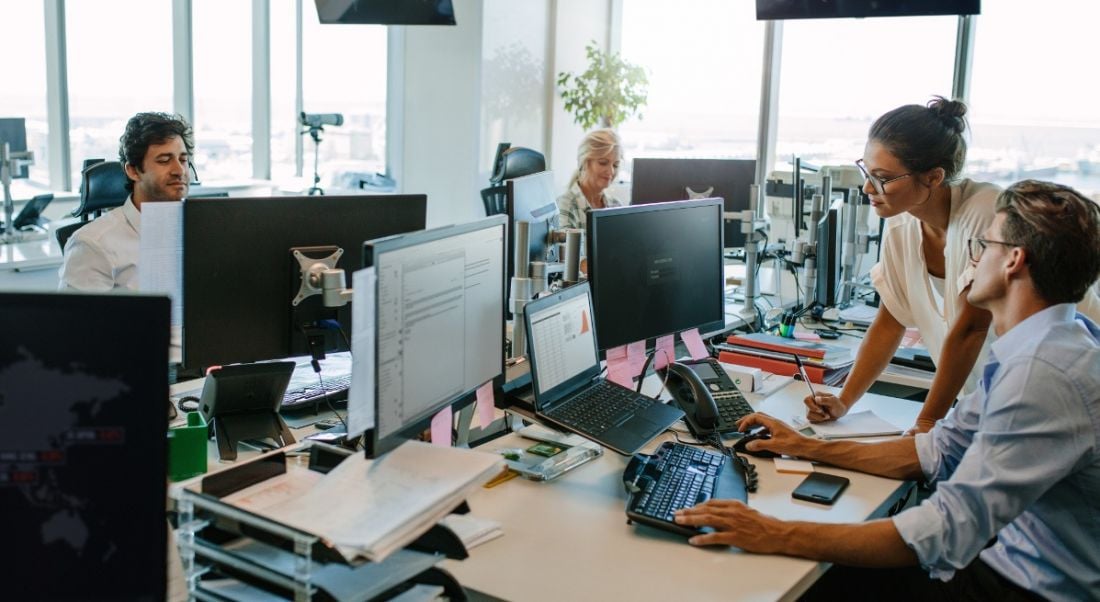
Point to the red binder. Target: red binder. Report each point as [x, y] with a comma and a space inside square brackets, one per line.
[817, 374]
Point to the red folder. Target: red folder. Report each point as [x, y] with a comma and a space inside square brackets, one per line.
[784, 345]
[816, 373]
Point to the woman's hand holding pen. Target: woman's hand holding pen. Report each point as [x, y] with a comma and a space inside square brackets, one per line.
[823, 407]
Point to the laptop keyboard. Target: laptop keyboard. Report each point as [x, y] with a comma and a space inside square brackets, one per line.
[600, 408]
[336, 388]
[678, 476]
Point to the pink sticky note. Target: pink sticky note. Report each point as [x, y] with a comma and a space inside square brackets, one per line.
[807, 336]
[442, 423]
[635, 353]
[694, 343]
[619, 373]
[665, 352]
[485, 404]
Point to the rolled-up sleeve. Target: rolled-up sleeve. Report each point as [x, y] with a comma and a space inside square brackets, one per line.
[1007, 466]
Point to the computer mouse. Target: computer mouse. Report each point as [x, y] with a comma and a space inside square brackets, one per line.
[739, 447]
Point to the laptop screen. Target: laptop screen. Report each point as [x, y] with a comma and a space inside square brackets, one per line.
[563, 342]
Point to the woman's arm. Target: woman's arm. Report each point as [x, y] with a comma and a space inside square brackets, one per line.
[960, 351]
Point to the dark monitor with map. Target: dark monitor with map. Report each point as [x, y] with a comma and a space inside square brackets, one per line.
[83, 384]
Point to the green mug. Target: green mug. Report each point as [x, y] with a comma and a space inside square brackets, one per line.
[187, 448]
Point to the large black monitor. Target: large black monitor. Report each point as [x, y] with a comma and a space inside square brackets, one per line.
[387, 12]
[83, 386]
[13, 130]
[767, 10]
[439, 331]
[828, 262]
[656, 270]
[239, 276]
[531, 199]
[661, 180]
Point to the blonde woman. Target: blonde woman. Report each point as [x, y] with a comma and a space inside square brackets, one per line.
[598, 160]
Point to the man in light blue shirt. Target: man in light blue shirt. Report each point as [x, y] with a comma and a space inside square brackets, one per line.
[1016, 512]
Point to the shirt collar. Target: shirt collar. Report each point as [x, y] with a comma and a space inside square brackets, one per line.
[1019, 338]
[131, 213]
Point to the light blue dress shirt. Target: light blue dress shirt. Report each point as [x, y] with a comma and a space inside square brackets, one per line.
[1019, 459]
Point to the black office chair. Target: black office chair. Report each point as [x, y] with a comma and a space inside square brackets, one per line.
[103, 187]
[510, 162]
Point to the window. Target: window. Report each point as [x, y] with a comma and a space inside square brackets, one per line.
[222, 68]
[284, 121]
[839, 75]
[1033, 108]
[344, 71]
[120, 63]
[704, 77]
[24, 93]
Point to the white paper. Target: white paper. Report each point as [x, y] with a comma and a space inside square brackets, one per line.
[857, 424]
[160, 253]
[361, 407]
[791, 465]
[472, 530]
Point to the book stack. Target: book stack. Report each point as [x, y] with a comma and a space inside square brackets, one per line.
[825, 364]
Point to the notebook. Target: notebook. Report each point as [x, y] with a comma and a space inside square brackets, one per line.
[569, 391]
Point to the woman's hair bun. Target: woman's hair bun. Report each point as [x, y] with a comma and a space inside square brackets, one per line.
[950, 112]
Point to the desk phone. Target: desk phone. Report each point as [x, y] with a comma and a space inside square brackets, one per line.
[707, 395]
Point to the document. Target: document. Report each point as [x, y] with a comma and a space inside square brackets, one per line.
[160, 254]
[473, 531]
[849, 426]
[361, 391]
[371, 508]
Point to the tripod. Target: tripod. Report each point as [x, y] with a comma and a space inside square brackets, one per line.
[315, 133]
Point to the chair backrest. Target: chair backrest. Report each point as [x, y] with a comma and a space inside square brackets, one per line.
[64, 232]
[494, 199]
[103, 186]
[515, 162]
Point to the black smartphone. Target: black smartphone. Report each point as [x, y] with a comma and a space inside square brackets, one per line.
[820, 488]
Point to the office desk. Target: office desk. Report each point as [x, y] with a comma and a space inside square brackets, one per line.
[31, 265]
[568, 539]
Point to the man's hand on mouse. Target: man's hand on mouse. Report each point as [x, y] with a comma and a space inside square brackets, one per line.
[784, 439]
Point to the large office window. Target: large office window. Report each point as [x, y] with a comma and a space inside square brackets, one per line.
[839, 75]
[1033, 94]
[23, 93]
[284, 120]
[222, 71]
[704, 77]
[344, 71]
[120, 63]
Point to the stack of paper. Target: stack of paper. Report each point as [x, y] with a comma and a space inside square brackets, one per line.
[472, 530]
[856, 424]
[371, 508]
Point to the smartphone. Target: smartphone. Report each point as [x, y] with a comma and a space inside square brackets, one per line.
[820, 488]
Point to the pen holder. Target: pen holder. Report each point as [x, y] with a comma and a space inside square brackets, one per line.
[187, 448]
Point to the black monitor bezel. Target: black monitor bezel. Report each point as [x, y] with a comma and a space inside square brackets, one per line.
[374, 445]
[829, 245]
[718, 324]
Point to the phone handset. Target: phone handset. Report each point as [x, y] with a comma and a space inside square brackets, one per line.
[693, 397]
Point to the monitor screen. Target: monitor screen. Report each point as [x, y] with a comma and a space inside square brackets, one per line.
[829, 245]
[656, 270]
[531, 199]
[660, 180]
[440, 322]
[83, 386]
[823, 9]
[13, 131]
[239, 276]
[562, 340]
[387, 12]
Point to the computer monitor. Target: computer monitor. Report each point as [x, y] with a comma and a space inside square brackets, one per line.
[656, 270]
[239, 276]
[13, 130]
[661, 180]
[439, 303]
[828, 263]
[83, 385]
[531, 199]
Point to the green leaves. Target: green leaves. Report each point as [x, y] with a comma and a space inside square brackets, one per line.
[609, 92]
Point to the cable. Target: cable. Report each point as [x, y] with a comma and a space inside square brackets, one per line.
[324, 393]
[641, 376]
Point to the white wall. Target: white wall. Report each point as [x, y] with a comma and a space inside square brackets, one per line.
[433, 112]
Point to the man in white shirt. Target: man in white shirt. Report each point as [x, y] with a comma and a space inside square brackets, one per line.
[1016, 512]
[155, 151]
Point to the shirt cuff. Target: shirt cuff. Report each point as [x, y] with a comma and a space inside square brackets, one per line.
[921, 528]
[926, 453]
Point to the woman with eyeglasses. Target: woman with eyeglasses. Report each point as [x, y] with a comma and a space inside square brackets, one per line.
[911, 166]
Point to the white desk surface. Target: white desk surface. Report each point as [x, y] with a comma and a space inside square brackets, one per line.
[37, 254]
[568, 539]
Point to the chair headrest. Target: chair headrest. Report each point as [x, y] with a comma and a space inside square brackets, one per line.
[518, 161]
[104, 187]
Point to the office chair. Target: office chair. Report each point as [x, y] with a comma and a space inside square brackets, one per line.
[510, 162]
[103, 187]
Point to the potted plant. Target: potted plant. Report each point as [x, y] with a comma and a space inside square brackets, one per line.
[606, 94]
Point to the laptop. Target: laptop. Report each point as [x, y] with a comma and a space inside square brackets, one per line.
[569, 391]
[83, 458]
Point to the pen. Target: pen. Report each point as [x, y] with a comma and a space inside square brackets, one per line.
[806, 379]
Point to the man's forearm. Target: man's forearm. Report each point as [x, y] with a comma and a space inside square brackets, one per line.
[871, 544]
[896, 458]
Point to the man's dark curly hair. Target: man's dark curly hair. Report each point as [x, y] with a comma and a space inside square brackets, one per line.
[145, 129]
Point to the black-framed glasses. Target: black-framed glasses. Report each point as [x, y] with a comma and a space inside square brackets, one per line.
[976, 246]
[878, 183]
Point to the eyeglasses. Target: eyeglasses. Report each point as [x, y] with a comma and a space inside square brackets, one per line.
[877, 183]
[976, 246]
